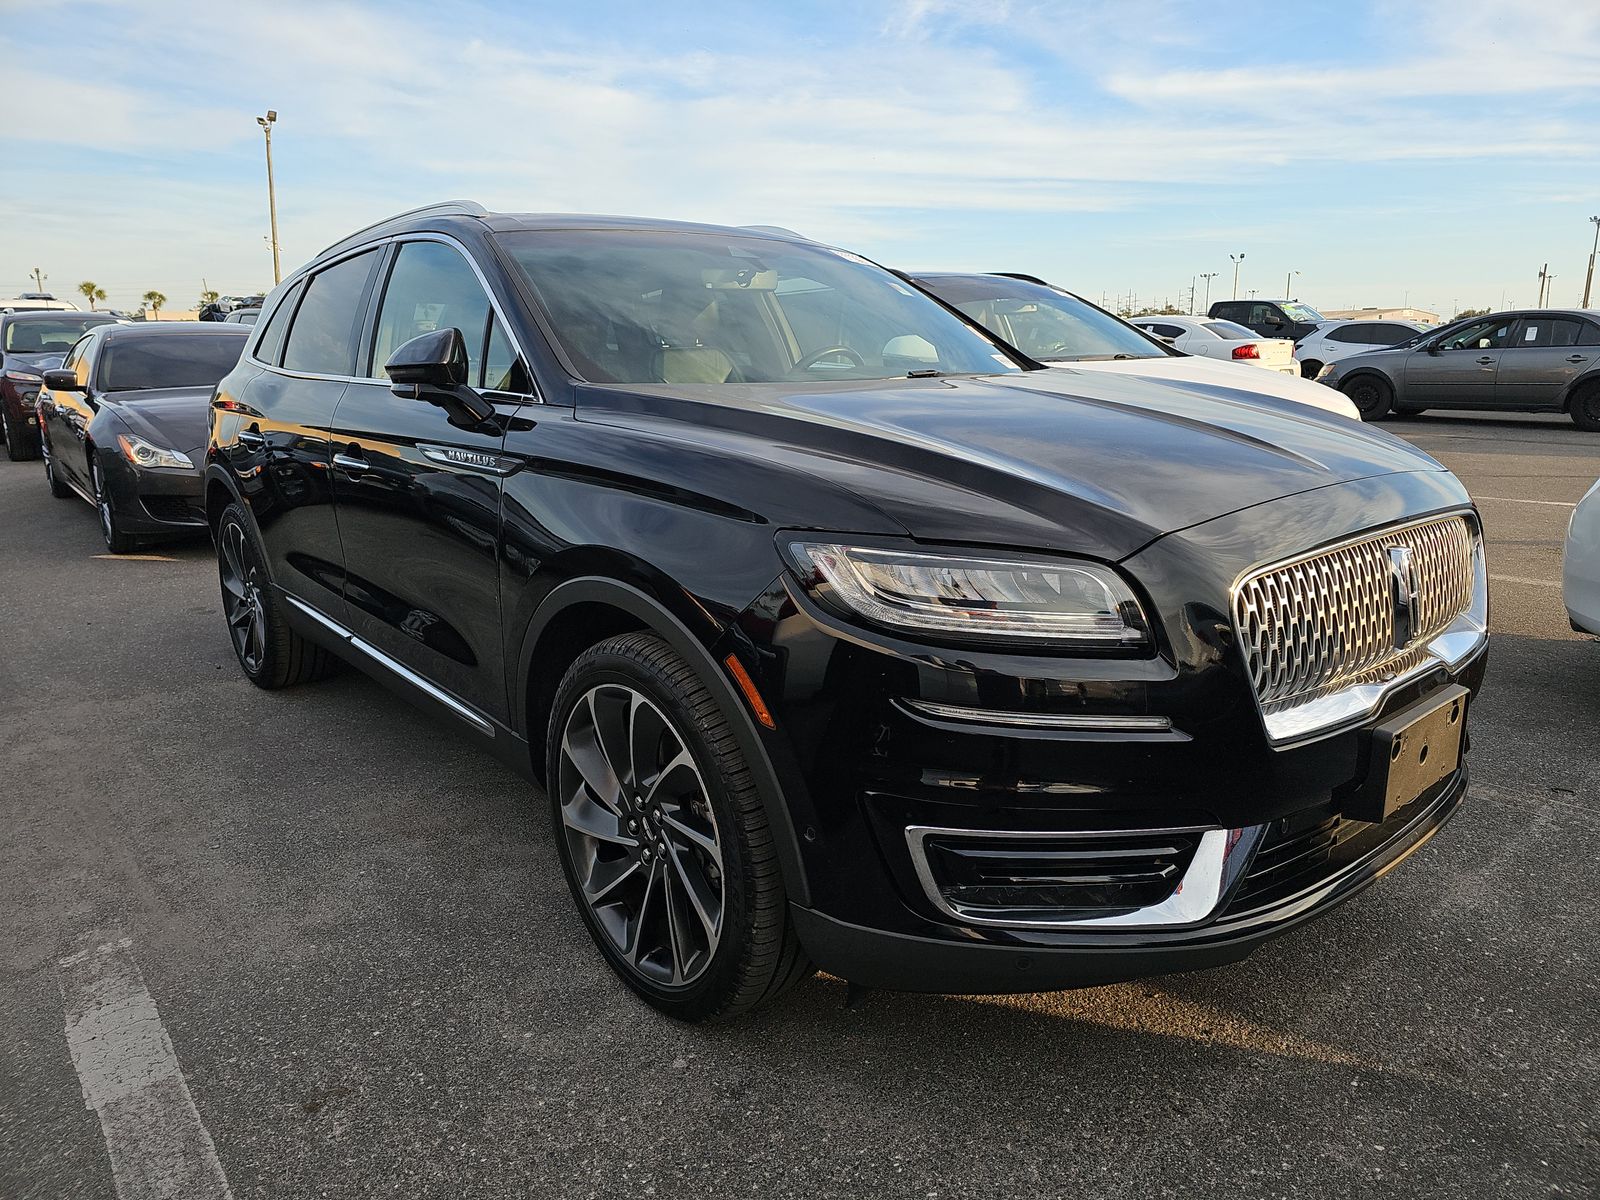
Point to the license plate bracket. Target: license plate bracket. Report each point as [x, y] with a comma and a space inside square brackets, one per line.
[1410, 752]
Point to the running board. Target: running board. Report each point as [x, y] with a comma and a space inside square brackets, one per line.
[466, 713]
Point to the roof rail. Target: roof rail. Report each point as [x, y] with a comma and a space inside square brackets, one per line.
[456, 208]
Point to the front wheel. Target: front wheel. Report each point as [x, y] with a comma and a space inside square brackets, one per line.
[118, 540]
[20, 441]
[663, 837]
[1372, 396]
[57, 489]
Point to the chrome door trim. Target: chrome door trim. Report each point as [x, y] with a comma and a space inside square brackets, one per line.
[459, 708]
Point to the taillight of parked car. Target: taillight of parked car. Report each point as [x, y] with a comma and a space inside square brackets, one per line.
[1248, 350]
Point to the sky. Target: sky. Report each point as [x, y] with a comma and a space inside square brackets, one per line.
[1431, 154]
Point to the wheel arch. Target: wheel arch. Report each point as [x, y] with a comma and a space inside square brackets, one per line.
[583, 611]
[1580, 386]
[220, 492]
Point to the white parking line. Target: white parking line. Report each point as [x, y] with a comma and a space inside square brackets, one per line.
[1555, 583]
[130, 1077]
[1514, 500]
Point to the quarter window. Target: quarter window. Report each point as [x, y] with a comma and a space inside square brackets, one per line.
[432, 287]
[322, 340]
[502, 369]
[271, 339]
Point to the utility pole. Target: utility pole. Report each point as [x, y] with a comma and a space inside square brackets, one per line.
[38, 279]
[1544, 281]
[266, 124]
[1588, 279]
[1193, 280]
[1288, 283]
[1237, 259]
[1208, 276]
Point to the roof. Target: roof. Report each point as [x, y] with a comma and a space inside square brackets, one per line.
[53, 314]
[126, 328]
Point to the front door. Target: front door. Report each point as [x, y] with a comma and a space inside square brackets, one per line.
[65, 418]
[1460, 369]
[418, 495]
[1545, 356]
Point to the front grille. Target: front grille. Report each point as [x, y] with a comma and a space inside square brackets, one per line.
[1327, 621]
[1043, 877]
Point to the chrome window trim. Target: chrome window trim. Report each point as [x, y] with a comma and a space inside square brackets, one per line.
[534, 397]
[458, 707]
[1326, 716]
[1218, 861]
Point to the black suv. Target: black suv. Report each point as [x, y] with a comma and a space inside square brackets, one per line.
[838, 633]
[1270, 318]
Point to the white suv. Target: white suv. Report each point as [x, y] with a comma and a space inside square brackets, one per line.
[1333, 340]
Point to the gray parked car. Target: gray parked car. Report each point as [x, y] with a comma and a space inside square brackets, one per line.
[1543, 360]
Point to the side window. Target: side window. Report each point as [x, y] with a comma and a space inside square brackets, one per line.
[1481, 335]
[431, 287]
[1346, 334]
[1264, 314]
[77, 360]
[1231, 311]
[1588, 335]
[1164, 330]
[1542, 332]
[322, 340]
[1390, 335]
[270, 340]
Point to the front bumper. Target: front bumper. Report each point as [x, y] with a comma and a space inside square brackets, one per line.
[153, 503]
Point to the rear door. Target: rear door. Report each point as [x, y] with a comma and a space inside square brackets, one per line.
[1458, 371]
[418, 495]
[1546, 354]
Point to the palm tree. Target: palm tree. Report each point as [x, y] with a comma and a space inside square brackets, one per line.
[209, 296]
[155, 300]
[91, 292]
[99, 294]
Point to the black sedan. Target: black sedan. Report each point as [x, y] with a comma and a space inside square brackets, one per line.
[123, 423]
[1544, 360]
[31, 343]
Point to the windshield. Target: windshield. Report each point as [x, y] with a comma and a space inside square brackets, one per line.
[134, 362]
[54, 335]
[1299, 313]
[668, 307]
[1043, 323]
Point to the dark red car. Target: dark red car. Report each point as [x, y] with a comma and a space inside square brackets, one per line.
[32, 343]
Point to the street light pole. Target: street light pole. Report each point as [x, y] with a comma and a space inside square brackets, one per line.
[1208, 276]
[38, 279]
[266, 123]
[1288, 282]
[1237, 259]
[1589, 278]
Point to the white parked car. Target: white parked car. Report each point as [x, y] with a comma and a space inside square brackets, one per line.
[1580, 566]
[1212, 337]
[1063, 330]
[1333, 340]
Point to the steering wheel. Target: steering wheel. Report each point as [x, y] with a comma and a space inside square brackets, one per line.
[811, 360]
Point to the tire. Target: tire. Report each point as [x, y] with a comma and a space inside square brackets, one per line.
[271, 654]
[21, 444]
[1371, 394]
[663, 837]
[1309, 368]
[117, 539]
[57, 489]
[1584, 409]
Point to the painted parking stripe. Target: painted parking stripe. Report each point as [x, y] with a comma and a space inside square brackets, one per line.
[1555, 583]
[130, 1077]
[1515, 500]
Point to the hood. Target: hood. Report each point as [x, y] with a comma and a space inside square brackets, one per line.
[177, 418]
[38, 363]
[1086, 461]
[1204, 371]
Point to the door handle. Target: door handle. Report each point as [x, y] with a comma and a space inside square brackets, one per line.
[253, 438]
[1486, 360]
[351, 463]
[1577, 358]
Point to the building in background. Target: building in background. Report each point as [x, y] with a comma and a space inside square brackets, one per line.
[1420, 315]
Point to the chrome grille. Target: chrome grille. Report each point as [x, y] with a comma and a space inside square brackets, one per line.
[1325, 622]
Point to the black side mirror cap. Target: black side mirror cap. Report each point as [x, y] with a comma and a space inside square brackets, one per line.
[63, 381]
[433, 367]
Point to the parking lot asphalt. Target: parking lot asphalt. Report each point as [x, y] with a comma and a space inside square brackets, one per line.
[372, 979]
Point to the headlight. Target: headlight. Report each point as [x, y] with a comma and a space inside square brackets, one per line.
[1328, 371]
[1070, 603]
[142, 454]
[24, 376]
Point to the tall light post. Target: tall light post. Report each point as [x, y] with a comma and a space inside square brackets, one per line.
[1237, 259]
[1288, 283]
[1589, 278]
[266, 124]
[38, 279]
[1208, 276]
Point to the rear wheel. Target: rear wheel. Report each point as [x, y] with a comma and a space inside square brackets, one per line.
[1309, 368]
[1372, 396]
[118, 540]
[663, 836]
[1585, 409]
[271, 654]
[57, 489]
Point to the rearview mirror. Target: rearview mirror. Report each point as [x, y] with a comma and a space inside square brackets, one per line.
[63, 381]
[433, 367]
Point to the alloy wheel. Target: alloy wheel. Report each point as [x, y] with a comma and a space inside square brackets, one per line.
[102, 502]
[642, 835]
[241, 597]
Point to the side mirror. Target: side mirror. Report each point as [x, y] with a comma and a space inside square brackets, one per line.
[63, 381]
[433, 367]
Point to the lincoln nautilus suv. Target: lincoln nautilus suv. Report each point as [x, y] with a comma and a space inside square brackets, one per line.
[839, 633]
